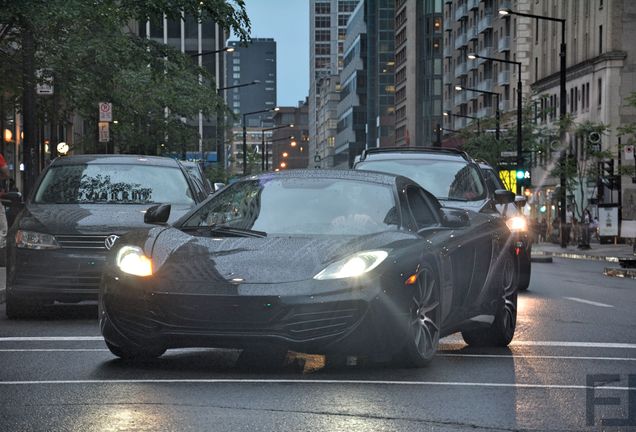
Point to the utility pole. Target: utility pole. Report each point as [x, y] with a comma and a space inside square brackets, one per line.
[28, 109]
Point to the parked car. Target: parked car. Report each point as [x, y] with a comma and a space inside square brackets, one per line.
[452, 176]
[78, 209]
[196, 171]
[317, 261]
[517, 223]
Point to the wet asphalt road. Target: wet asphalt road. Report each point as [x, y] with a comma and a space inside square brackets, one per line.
[56, 374]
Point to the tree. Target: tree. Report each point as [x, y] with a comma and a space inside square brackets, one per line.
[93, 55]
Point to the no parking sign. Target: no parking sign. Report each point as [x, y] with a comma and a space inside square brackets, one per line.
[105, 112]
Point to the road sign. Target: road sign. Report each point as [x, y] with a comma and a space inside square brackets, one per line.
[104, 132]
[105, 112]
[45, 82]
[508, 154]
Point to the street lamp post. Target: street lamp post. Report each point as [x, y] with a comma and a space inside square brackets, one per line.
[264, 148]
[519, 109]
[226, 49]
[562, 108]
[220, 144]
[497, 115]
[245, 133]
[448, 114]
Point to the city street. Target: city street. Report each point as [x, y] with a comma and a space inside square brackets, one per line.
[573, 324]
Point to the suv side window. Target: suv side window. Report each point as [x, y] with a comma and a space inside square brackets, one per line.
[491, 180]
[421, 210]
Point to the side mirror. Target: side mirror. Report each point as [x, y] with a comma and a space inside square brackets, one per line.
[503, 196]
[520, 201]
[158, 214]
[455, 218]
[13, 197]
[218, 186]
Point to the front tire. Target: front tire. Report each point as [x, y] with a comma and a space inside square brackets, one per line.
[130, 353]
[424, 321]
[502, 330]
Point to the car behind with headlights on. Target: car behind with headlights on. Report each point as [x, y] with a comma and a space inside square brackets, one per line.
[335, 262]
[76, 212]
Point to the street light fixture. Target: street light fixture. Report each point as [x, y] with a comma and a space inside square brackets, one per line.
[226, 49]
[265, 155]
[220, 144]
[448, 114]
[497, 115]
[473, 56]
[245, 133]
[562, 108]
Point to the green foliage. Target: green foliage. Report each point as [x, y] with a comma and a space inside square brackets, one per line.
[94, 55]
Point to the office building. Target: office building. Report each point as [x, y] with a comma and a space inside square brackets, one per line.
[289, 145]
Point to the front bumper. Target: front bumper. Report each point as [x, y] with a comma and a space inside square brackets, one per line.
[48, 275]
[360, 319]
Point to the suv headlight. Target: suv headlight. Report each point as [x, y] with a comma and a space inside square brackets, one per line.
[354, 265]
[517, 223]
[35, 240]
[131, 260]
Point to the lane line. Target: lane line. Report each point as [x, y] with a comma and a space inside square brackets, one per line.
[442, 344]
[441, 354]
[324, 381]
[589, 302]
[547, 357]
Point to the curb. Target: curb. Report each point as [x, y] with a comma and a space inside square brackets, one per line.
[620, 273]
[541, 258]
[576, 256]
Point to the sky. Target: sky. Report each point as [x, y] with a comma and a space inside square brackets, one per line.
[287, 21]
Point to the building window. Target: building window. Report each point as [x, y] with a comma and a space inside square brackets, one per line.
[600, 92]
[600, 39]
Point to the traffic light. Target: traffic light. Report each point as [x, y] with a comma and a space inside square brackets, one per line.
[606, 174]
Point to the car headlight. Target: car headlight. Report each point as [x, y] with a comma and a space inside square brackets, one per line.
[352, 266]
[131, 260]
[35, 240]
[517, 223]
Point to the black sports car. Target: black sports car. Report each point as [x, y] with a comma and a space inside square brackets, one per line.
[317, 261]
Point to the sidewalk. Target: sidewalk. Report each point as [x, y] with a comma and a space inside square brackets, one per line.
[599, 252]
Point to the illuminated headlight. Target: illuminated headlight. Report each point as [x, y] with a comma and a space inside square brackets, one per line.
[131, 260]
[355, 265]
[517, 223]
[35, 240]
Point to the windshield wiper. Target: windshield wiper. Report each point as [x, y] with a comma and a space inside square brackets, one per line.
[226, 229]
[452, 199]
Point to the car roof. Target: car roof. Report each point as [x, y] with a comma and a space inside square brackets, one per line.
[116, 159]
[344, 174]
[384, 153]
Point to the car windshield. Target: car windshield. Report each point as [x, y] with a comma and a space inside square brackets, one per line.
[314, 206]
[96, 183]
[446, 179]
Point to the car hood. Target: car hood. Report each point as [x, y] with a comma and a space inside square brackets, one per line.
[79, 219]
[270, 260]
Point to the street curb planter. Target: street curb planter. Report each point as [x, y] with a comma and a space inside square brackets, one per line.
[621, 273]
[541, 258]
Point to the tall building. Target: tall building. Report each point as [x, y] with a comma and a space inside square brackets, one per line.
[351, 136]
[247, 64]
[601, 74]
[194, 38]
[473, 26]
[327, 24]
[418, 71]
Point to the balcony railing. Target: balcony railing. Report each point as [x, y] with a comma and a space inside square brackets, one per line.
[485, 112]
[460, 41]
[486, 51]
[448, 51]
[472, 4]
[503, 78]
[459, 123]
[460, 69]
[471, 33]
[461, 12]
[505, 105]
[503, 44]
[460, 98]
[485, 85]
[484, 23]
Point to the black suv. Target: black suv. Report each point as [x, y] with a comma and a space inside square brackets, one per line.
[456, 180]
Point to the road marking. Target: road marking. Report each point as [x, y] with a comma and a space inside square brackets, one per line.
[593, 303]
[53, 349]
[50, 338]
[523, 356]
[321, 381]
[574, 344]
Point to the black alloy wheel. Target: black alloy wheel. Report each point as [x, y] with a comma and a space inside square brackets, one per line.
[424, 320]
[502, 330]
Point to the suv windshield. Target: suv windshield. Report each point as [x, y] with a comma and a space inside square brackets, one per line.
[446, 179]
[97, 183]
[315, 206]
